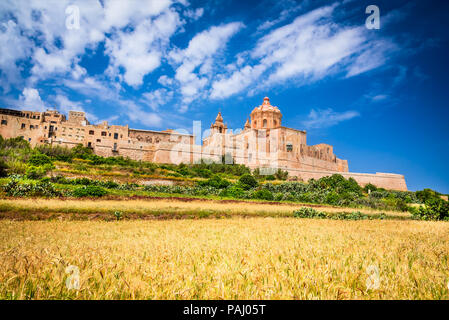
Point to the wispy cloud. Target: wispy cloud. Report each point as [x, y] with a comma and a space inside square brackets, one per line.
[310, 48]
[327, 118]
[199, 55]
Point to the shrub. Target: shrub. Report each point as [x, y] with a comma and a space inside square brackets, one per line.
[281, 175]
[434, 209]
[89, 191]
[40, 189]
[56, 152]
[81, 152]
[305, 212]
[247, 182]
[35, 172]
[215, 182]
[16, 167]
[39, 159]
[332, 198]
[369, 188]
[426, 195]
[355, 215]
[401, 205]
[235, 192]
[118, 215]
[263, 194]
[3, 168]
[270, 177]
[279, 196]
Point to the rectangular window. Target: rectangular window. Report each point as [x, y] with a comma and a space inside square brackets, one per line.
[23, 125]
[104, 134]
[98, 140]
[31, 126]
[115, 135]
[91, 132]
[4, 122]
[289, 147]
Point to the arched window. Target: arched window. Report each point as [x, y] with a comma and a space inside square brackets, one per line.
[275, 123]
[264, 123]
[220, 130]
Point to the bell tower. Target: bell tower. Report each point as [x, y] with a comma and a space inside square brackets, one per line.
[218, 126]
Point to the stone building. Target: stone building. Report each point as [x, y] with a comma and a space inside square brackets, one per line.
[106, 140]
[263, 143]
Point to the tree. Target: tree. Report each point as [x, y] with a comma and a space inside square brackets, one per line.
[247, 181]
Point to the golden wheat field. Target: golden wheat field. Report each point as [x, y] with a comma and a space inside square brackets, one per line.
[236, 258]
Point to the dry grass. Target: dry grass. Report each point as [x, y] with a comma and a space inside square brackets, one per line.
[201, 208]
[253, 258]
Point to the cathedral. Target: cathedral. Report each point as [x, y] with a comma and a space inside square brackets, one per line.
[262, 143]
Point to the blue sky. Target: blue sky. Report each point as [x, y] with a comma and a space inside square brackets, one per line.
[379, 96]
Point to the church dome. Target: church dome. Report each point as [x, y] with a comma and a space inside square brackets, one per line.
[266, 106]
[266, 116]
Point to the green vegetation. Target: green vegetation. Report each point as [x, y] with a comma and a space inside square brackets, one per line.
[89, 191]
[247, 182]
[44, 170]
[434, 209]
[38, 189]
[355, 215]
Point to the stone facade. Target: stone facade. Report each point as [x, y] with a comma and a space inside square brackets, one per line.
[263, 143]
[106, 140]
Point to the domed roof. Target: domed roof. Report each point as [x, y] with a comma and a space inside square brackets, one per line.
[266, 106]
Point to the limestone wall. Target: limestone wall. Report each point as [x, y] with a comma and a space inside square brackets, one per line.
[387, 181]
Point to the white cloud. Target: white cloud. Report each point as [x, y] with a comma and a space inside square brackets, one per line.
[55, 49]
[13, 47]
[327, 118]
[165, 81]
[285, 14]
[136, 114]
[139, 52]
[310, 48]
[30, 99]
[194, 14]
[236, 82]
[92, 87]
[157, 98]
[78, 72]
[373, 55]
[379, 97]
[199, 54]
[119, 14]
